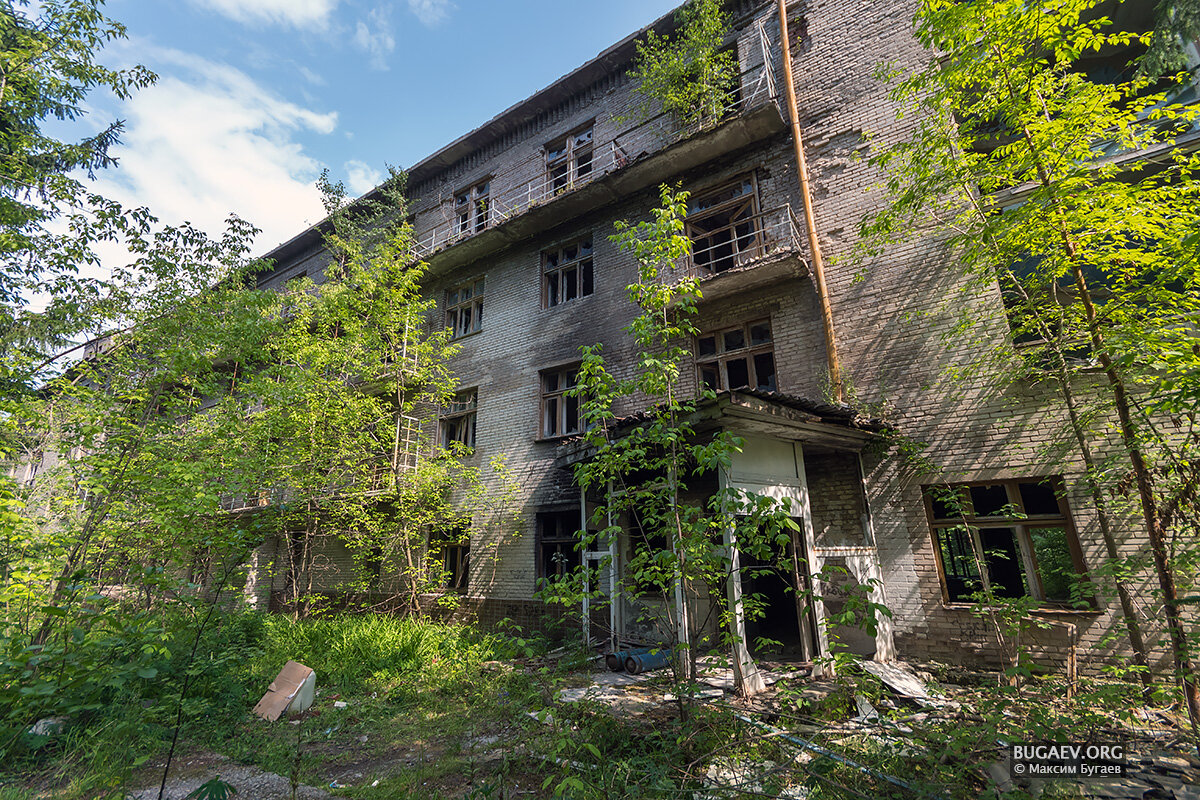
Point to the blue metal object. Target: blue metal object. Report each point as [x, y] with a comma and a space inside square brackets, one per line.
[637, 663]
[616, 661]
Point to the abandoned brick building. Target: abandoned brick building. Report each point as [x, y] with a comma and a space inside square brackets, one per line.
[515, 218]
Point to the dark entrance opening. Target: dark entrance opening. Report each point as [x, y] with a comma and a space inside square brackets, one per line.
[769, 596]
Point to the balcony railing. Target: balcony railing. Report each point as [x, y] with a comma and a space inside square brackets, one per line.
[741, 243]
[756, 88]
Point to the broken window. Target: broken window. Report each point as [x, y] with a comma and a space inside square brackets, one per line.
[450, 551]
[724, 227]
[562, 415]
[1013, 537]
[472, 207]
[569, 160]
[737, 358]
[457, 419]
[464, 309]
[567, 273]
[559, 552]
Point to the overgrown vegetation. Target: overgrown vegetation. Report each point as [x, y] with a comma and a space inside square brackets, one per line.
[689, 75]
[1042, 181]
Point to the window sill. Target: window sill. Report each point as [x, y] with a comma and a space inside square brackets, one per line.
[557, 439]
[466, 335]
[1041, 610]
[574, 303]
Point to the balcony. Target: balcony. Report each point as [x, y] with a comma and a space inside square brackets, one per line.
[750, 252]
[644, 155]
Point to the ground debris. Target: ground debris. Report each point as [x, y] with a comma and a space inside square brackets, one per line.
[728, 776]
[248, 780]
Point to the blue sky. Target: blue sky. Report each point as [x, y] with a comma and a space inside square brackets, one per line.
[255, 97]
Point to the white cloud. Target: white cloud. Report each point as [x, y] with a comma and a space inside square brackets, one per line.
[430, 12]
[361, 177]
[298, 13]
[375, 37]
[207, 140]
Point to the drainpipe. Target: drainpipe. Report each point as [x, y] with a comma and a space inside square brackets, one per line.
[818, 264]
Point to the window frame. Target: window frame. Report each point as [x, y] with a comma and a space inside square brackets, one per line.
[470, 217]
[452, 548]
[1020, 523]
[583, 264]
[557, 395]
[566, 533]
[569, 160]
[749, 351]
[472, 304]
[744, 209]
[461, 414]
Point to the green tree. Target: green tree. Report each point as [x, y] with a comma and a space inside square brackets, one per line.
[661, 475]
[1070, 194]
[689, 74]
[48, 66]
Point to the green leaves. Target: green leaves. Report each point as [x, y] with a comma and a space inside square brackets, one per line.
[688, 75]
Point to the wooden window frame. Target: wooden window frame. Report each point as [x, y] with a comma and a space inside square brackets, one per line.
[468, 307]
[473, 208]
[565, 534]
[1014, 519]
[457, 421]
[571, 159]
[745, 241]
[717, 363]
[553, 398]
[558, 264]
[452, 549]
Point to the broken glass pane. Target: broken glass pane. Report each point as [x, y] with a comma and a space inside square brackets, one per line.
[764, 372]
[587, 277]
[1005, 573]
[570, 284]
[734, 340]
[1056, 568]
[760, 333]
[958, 563]
[990, 501]
[739, 373]
[1039, 498]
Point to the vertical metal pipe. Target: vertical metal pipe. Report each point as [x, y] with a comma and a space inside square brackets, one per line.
[818, 264]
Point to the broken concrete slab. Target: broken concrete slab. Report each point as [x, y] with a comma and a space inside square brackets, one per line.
[249, 781]
[901, 681]
[292, 691]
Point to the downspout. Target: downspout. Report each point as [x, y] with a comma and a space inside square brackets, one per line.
[818, 264]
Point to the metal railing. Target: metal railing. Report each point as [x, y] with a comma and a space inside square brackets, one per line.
[756, 87]
[741, 243]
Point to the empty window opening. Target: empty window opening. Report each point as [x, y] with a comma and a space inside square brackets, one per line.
[567, 273]
[723, 226]
[559, 550]
[464, 309]
[472, 207]
[457, 420]
[450, 555]
[561, 413]
[569, 160]
[737, 358]
[1018, 531]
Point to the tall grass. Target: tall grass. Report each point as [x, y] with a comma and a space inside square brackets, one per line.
[353, 653]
